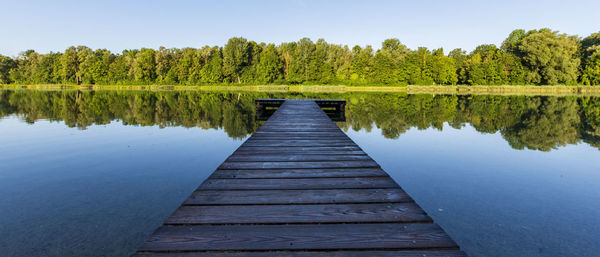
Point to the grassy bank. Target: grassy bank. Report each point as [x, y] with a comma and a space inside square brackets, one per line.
[460, 89]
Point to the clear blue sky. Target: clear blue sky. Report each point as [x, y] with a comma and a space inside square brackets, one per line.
[116, 25]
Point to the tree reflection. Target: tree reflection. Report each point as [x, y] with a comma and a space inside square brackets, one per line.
[533, 122]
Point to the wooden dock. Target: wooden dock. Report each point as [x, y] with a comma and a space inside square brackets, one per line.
[299, 186]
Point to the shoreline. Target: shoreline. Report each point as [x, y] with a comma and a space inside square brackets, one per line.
[411, 89]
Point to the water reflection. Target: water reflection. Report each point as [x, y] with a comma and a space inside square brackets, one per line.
[533, 122]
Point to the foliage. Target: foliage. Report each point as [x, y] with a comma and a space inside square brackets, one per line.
[536, 57]
[270, 67]
[6, 65]
[590, 59]
[236, 58]
[550, 57]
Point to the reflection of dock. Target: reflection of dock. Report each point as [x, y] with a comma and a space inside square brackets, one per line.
[335, 109]
[299, 187]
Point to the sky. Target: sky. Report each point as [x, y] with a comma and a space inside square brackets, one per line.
[128, 24]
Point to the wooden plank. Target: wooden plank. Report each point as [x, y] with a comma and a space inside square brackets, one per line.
[294, 214]
[282, 150]
[311, 123]
[283, 237]
[321, 122]
[302, 196]
[300, 119]
[301, 134]
[284, 128]
[297, 144]
[330, 141]
[296, 158]
[294, 115]
[298, 134]
[300, 183]
[264, 132]
[298, 148]
[401, 253]
[300, 125]
[299, 173]
[305, 137]
[296, 129]
[298, 165]
[279, 126]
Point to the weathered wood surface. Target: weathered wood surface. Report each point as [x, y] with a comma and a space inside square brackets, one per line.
[299, 173]
[289, 214]
[382, 253]
[298, 183]
[298, 237]
[297, 196]
[299, 187]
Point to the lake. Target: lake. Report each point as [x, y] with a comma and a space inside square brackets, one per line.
[89, 172]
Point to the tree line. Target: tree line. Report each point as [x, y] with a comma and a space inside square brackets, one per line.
[534, 122]
[534, 57]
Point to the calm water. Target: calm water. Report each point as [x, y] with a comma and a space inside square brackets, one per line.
[94, 173]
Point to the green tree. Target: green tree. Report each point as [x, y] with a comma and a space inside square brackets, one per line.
[511, 68]
[270, 66]
[48, 69]
[286, 50]
[145, 66]
[423, 64]
[70, 65]
[488, 65]
[460, 65]
[514, 39]
[590, 59]
[101, 67]
[339, 59]
[165, 60]
[588, 45]
[302, 63]
[85, 59]
[249, 73]
[197, 62]
[120, 71]
[443, 68]
[94, 66]
[591, 70]
[362, 63]
[185, 64]
[483, 66]
[26, 66]
[551, 57]
[6, 65]
[319, 69]
[236, 57]
[212, 70]
[387, 60]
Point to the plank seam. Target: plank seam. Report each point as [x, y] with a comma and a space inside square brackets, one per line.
[287, 204]
[293, 223]
[445, 248]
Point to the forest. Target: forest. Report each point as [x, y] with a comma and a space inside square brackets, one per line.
[534, 57]
[534, 122]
